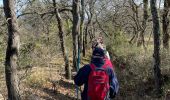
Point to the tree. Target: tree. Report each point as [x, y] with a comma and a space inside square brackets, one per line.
[90, 11]
[165, 25]
[62, 42]
[81, 37]
[156, 37]
[145, 17]
[91, 18]
[75, 30]
[12, 51]
[135, 18]
[44, 17]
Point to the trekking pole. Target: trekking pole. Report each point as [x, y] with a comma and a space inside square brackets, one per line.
[78, 66]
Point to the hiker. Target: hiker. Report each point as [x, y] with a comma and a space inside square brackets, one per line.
[98, 77]
[98, 42]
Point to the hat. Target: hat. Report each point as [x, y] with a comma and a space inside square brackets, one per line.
[98, 52]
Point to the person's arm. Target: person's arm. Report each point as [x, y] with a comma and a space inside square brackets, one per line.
[107, 55]
[114, 85]
[82, 75]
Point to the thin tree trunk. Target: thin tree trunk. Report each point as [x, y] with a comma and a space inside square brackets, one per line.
[165, 25]
[12, 51]
[91, 33]
[134, 36]
[82, 26]
[75, 31]
[92, 11]
[85, 41]
[85, 35]
[89, 30]
[141, 39]
[62, 42]
[156, 55]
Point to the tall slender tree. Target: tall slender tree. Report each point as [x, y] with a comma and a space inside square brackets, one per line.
[75, 30]
[141, 39]
[91, 18]
[12, 51]
[62, 42]
[165, 25]
[89, 25]
[82, 25]
[156, 54]
[135, 15]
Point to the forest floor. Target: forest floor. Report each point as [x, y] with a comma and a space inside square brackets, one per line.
[135, 84]
[48, 83]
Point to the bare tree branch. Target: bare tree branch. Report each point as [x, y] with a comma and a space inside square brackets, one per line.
[46, 13]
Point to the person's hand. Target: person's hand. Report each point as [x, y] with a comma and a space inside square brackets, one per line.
[112, 95]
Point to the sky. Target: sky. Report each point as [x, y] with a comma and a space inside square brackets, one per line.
[1, 2]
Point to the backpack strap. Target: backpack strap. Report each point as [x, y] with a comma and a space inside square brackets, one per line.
[105, 66]
[108, 63]
[92, 66]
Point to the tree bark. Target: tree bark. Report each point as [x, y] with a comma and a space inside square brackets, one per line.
[12, 51]
[62, 42]
[81, 25]
[85, 41]
[89, 30]
[91, 9]
[85, 34]
[75, 31]
[165, 25]
[141, 39]
[156, 55]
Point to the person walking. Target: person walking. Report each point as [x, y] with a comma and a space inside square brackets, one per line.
[98, 77]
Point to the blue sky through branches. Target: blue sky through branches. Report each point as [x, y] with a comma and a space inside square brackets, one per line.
[1, 2]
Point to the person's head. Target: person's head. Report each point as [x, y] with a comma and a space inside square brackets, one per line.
[98, 56]
[98, 53]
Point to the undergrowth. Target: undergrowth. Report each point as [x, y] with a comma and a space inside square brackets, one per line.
[134, 69]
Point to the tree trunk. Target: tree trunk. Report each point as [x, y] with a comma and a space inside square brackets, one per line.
[89, 25]
[91, 9]
[141, 39]
[85, 40]
[165, 25]
[156, 55]
[62, 42]
[85, 35]
[12, 51]
[82, 26]
[75, 31]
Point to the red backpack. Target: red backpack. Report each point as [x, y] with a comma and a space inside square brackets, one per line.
[98, 83]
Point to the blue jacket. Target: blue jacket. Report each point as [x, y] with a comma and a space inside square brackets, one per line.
[82, 78]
